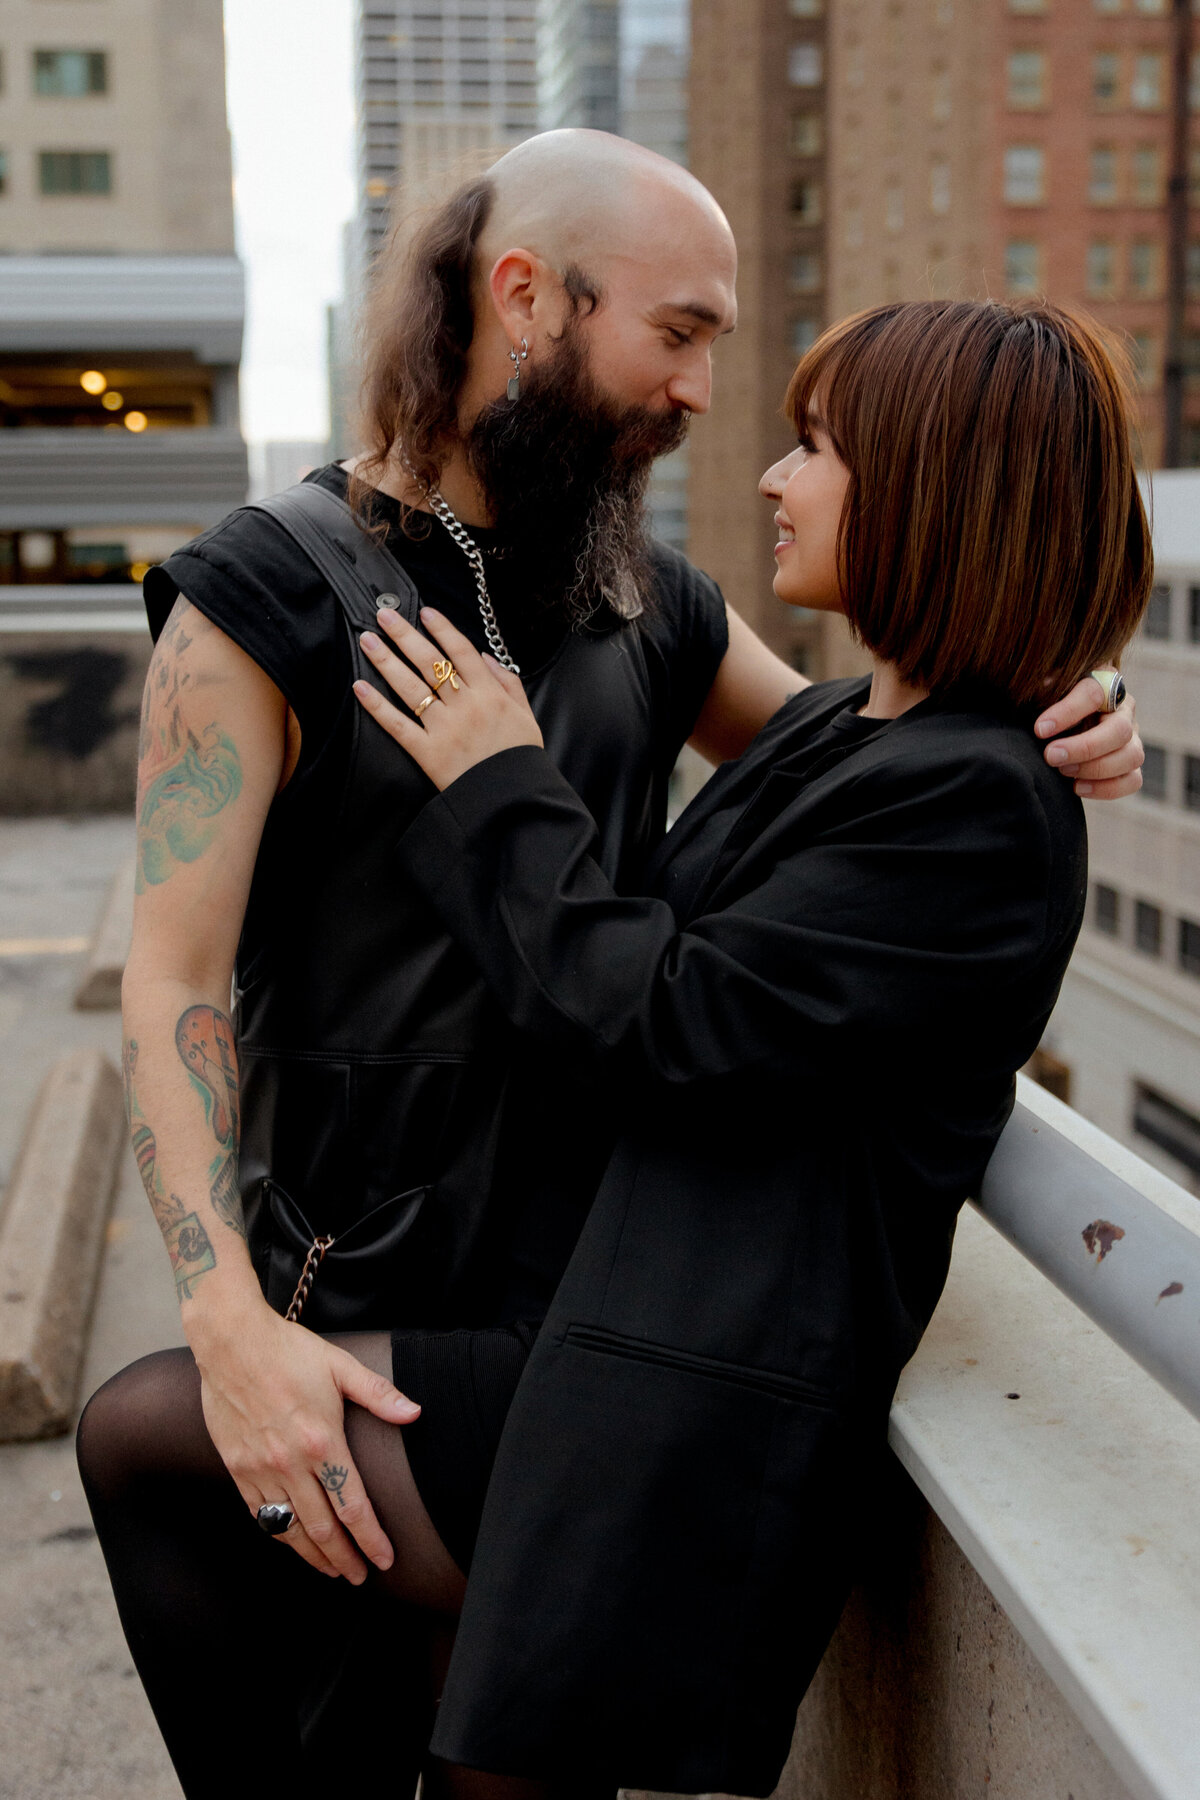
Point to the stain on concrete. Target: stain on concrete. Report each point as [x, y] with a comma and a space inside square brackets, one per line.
[1100, 1236]
[79, 716]
[1172, 1287]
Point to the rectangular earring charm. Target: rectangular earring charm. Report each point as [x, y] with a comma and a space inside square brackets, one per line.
[514, 387]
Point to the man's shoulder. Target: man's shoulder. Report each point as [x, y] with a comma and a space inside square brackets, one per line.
[674, 577]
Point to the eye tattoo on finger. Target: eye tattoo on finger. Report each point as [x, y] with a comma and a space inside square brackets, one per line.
[333, 1480]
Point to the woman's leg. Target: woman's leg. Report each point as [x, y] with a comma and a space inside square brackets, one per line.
[233, 1636]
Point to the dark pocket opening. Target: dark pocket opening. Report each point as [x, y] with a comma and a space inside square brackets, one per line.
[668, 1356]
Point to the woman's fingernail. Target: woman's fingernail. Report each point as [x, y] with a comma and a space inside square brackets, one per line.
[369, 641]
[1083, 789]
[1070, 769]
[362, 689]
[1057, 753]
[430, 612]
[1046, 727]
[383, 1561]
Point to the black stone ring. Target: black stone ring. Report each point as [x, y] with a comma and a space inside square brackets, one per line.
[275, 1519]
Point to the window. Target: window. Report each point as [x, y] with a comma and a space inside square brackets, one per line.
[1028, 6]
[806, 65]
[1147, 928]
[1189, 946]
[1102, 175]
[1191, 783]
[1025, 175]
[807, 134]
[1149, 84]
[852, 221]
[1194, 82]
[1191, 359]
[1101, 270]
[1150, 6]
[1194, 615]
[1144, 269]
[1148, 187]
[70, 73]
[1156, 620]
[3, 172]
[941, 99]
[893, 209]
[806, 202]
[1193, 268]
[75, 172]
[1022, 267]
[1106, 78]
[806, 9]
[939, 185]
[1106, 909]
[804, 335]
[1171, 1127]
[806, 272]
[1027, 80]
[1106, 6]
[1154, 773]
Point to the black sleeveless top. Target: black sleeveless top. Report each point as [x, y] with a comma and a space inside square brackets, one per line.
[385, 1101]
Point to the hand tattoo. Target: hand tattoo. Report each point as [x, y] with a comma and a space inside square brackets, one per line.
[333, 1480]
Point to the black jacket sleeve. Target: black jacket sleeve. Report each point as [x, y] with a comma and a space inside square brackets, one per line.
[911, 913]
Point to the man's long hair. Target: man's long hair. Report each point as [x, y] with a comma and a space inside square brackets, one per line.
[417, 329]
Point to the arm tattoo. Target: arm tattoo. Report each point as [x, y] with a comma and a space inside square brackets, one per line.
[188, 1244]
[204, 1040]
[179, 812]
[333, 1480]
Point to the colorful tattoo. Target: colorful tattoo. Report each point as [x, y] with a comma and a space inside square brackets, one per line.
[190, 1249]
[204, 1039]
[179, 814]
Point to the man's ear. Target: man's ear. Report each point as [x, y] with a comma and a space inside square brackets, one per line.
[525, 293]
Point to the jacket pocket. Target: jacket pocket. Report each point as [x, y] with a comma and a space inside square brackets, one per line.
[668, 1356]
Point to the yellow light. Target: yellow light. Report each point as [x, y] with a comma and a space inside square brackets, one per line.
[138, 571]
[135, 421]
[112, 401]
[93, 382]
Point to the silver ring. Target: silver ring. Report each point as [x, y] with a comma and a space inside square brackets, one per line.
[1113, 684]
[419, 708]
[275, 1518]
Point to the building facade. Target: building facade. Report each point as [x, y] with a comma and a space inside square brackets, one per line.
[1124, 1043]
[121, 298]
[873, 150]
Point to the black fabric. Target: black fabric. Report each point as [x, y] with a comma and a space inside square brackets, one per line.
[852, 940]
[374, 1065]
[464, 1382]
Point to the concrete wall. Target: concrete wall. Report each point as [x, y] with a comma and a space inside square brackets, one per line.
[69, 710]
[928, 1693]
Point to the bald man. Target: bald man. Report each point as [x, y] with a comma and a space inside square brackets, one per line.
[370, 1140]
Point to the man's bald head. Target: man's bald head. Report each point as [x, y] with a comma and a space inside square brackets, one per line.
[583, 198]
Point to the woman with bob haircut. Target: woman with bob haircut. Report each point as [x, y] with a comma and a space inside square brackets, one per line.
[808, 1027]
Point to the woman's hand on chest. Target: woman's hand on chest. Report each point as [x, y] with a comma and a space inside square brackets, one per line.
[462, 707]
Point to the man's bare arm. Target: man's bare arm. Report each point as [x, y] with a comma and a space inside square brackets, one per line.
[214, 749]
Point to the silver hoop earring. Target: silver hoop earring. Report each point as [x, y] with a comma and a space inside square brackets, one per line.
[517, 357]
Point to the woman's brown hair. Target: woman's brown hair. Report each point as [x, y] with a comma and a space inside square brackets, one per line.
[993, 532]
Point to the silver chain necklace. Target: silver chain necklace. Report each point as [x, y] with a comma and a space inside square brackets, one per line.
[474, 556]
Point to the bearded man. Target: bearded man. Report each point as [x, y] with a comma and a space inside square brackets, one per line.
[370, 1136]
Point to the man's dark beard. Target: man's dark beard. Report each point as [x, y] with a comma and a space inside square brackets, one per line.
[565, 472]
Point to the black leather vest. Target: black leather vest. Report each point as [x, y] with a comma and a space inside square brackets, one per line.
[386, 1104]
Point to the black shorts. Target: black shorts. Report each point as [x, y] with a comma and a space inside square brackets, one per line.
[463, 1382]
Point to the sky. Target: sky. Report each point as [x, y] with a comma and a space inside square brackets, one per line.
[290, 91]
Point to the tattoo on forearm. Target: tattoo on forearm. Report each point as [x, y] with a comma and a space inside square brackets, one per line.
[333, 1480]
[204, 1040]
[190, 1249]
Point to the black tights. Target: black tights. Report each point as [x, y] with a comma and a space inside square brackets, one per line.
[265, 1676]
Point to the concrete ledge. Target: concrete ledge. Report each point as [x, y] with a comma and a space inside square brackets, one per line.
[100, 988]
[51, 1238]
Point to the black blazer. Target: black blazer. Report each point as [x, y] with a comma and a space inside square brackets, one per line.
[853, 944]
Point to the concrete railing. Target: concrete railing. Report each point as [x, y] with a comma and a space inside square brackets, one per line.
[1059, 1457]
